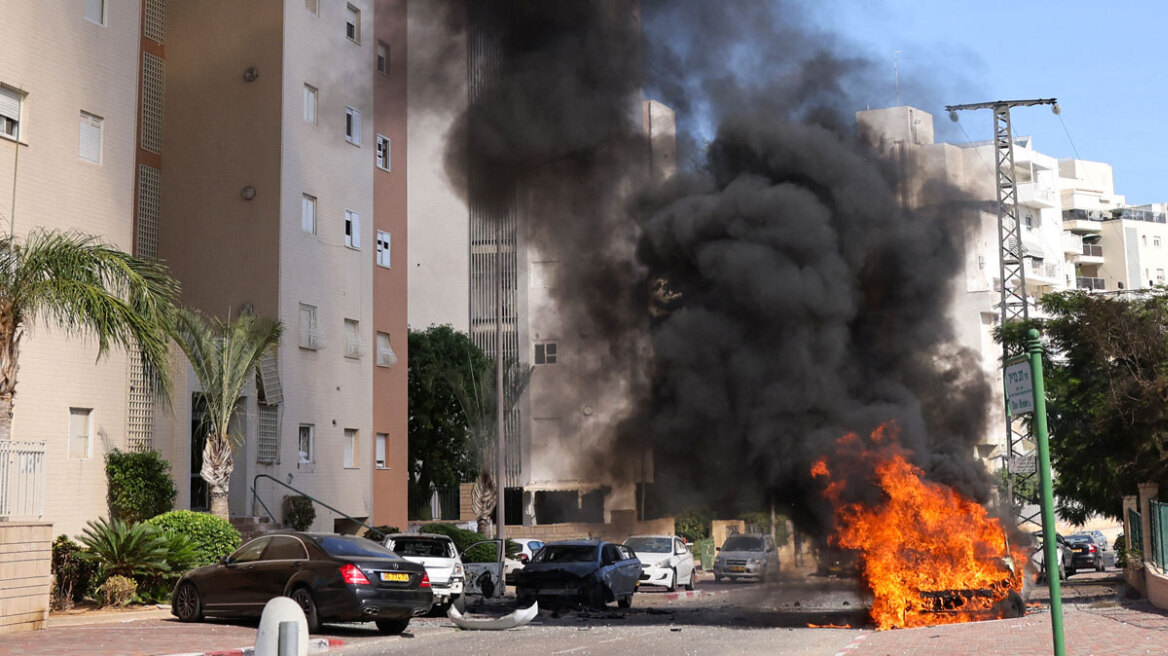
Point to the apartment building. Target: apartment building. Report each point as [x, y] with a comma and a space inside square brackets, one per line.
[259, 149]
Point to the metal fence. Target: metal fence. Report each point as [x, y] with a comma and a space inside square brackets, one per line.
[22, 480]
[1159, 521]
[442, 503]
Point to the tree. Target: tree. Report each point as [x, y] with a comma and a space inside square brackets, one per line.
[1106, 373]
[439, 454]
[85, 288]
[224, 356]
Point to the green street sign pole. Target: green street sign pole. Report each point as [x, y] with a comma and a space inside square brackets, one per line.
[1034, 348]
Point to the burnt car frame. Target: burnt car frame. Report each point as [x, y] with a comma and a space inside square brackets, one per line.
[585, 572]
[340, 578]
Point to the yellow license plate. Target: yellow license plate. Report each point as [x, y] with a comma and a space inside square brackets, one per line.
[737, 569]
[394, 576]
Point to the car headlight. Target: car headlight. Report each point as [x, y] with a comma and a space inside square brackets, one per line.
[755, 561]
[719, 561]
[458, 571]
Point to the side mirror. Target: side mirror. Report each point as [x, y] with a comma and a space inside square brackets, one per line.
[224, 560]
[717, 548]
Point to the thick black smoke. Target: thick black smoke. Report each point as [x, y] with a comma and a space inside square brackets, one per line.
[788, 292]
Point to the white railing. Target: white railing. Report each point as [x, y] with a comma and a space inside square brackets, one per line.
[22, 480]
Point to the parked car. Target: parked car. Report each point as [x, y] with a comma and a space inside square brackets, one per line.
[1066, 566]
[1087, 553]
[836, 561]
[665, 561]
[334, 578]
[747, 555]
[580, 571]
[439, 555]
[527, 549]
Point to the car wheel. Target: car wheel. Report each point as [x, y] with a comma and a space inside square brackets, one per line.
[304, 598]
[1099, 565]
[625, 602]
[393, 627]
[693, 575]
[188, 606]
[596, 596]
[717, 579]
[1071, 571]
[762, 576]
[673, 580]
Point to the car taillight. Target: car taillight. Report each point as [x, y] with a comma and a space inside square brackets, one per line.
[352, 575]
[523, 558]
[425, 581]
[1092, 548]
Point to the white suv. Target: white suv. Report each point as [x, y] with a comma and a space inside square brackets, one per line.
[439, 556]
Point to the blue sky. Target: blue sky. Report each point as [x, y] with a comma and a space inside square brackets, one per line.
[1103, 61]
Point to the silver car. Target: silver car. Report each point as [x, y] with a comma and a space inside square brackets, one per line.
[747, 555]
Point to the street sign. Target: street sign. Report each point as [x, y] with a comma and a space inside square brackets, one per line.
[1022, 465]
[1019, 388]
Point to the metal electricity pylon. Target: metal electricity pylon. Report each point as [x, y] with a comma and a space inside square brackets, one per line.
[1012, 274]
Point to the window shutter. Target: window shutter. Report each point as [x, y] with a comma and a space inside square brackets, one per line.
[356, 230]
[269, 374]
[9, 104]
[90, 138]
[356, 126]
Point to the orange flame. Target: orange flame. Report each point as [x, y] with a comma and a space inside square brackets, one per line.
[929, 555]
[828, 626]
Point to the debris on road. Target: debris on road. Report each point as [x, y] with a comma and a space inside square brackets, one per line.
[516, 619]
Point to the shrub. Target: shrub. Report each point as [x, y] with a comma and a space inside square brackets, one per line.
[118, 590]
[299, 512]
[212, 537]
[464, 538]
[1120, 547]
[140, 485]
[378, 533]
[693, 524]
[121, 549]
[72, 574]
[181, 555]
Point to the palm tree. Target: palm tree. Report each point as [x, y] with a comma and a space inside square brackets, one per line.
[86, 288]
[479, 405]
[224, 356]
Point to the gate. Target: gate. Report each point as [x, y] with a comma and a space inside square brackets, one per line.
[22, 480]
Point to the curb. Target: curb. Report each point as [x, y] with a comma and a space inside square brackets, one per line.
[690, 594]
[315, 646]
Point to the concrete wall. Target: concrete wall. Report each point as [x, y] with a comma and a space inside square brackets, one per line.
[25, 575]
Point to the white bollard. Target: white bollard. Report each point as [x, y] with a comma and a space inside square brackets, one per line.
[280, 609]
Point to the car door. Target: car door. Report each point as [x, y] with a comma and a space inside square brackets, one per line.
[483, 578]
[282, 558]
[685, 561]
[231, 586]
[630, 567]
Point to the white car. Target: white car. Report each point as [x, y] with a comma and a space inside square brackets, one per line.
[527, 549]
[666, 560]
[438, 554]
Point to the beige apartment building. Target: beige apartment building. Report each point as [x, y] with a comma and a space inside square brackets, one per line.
[249, 145]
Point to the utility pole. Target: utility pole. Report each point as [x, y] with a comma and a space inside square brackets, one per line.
[1014, 305]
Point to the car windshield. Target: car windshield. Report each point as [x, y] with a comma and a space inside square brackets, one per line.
[343, 546]
[424, 547]
[649, 545]
[1079, 539]
[743, 543]
[566, 553]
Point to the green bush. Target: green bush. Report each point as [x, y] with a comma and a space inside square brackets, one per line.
[694, 524]
[1120, 547]
[72, 575]
[378, 533]
[118, 590]
[118, 548]
[299, 512]
[140, 485]
[464, 538]
[212, 537]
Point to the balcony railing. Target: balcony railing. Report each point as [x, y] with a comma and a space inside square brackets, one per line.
[22, 480]
[1094, 284]
[1092, 250]
[1128, 213]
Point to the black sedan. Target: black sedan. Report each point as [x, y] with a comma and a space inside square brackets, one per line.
[1085, 553]
[339, 578]
[580, 571]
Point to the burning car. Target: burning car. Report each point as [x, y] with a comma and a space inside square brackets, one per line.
[585, 572]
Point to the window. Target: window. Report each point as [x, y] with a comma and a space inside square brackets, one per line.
[352, 448]
[1156, 242]
[1159, 276]
[304, 444]
[310, 337]
[353, 126]
[352, 229]
[385, 355]
[545, 353]
[310, 104]
[354, 345]
[268, 444]
[283, 547]
[382, 438]
[80, 430]
[383, 162]
[10, 105]
[95, 11]
[308, 214]
[90, 140]
[353, 23]
[383, 58]
[383, 244]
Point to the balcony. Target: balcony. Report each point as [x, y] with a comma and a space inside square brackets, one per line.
[1091, 284]
[1072, 244]
[1085, 221]
[1092, 254]
[1033, 194]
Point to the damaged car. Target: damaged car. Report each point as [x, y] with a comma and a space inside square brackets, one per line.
[439, 556]
[583, 572]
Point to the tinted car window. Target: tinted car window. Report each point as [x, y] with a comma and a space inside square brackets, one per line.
[742, 543]
[566, 553]
[340, 546]
[648, 545]
[611, 555]
[251, 551]
[284, 548]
